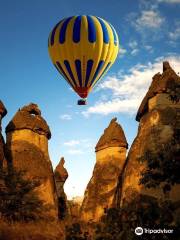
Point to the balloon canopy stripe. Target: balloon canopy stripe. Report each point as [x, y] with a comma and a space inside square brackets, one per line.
[66, 63]
[101, 75]
[106, 68]
[53, 33]
[88, 70]
[78, 70]
[77, 29]
[60, 69]
[100, 65]
[62, 34]
[114, 34]
[105, 31]
[91, 30]
[83, 48]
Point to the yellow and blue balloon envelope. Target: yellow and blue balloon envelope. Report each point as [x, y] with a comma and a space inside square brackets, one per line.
[83, 48]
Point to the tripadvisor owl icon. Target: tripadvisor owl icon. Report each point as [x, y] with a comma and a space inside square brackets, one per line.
[139, 231]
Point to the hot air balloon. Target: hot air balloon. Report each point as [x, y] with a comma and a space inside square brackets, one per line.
[83, 48]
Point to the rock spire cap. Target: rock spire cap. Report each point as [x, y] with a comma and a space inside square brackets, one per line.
[161, 83]
[29, 117]
[60, 172]
[166, 66]
[113, 136]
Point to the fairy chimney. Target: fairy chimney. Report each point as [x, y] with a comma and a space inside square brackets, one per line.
[110, 157]
[27, 136]
[61, 175]
[156, 145]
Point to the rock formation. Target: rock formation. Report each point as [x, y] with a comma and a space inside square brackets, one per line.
[155, 152]
[3, 112]
[110, 157]
[61, 175]
[75, 207]
[27, 137]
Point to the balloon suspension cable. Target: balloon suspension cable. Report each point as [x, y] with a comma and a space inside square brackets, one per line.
[82, 101]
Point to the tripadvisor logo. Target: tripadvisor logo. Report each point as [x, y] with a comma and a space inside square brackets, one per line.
[140, 231]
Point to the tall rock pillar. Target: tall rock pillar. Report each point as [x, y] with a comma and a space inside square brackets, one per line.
[61, 175]
[27, 150]
[110, 157]
[155, 153]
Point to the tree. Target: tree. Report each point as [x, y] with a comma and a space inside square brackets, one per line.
[18, 199]
[163, 165]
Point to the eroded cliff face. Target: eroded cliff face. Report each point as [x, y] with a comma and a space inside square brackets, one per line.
[27, 137]
[155, 151]
[61, 175]
[110, 157]
[3, 112]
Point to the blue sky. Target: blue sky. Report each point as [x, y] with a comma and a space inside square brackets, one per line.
[149, 32]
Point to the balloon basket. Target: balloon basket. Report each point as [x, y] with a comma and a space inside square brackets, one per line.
[82, 102]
